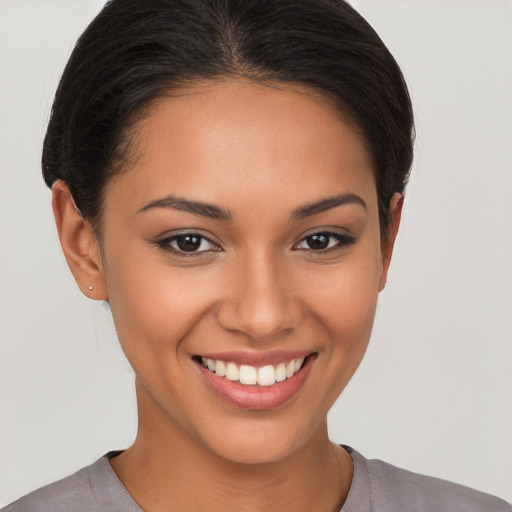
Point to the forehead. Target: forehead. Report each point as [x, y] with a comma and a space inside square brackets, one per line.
[220, 140]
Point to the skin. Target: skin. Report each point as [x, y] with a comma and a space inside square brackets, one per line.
[260, 152]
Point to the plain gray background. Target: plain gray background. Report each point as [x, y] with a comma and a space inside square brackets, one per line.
[434, 393]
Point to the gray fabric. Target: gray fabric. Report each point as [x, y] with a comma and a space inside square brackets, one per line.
[376, 487]
[381, 487]
[92, 489]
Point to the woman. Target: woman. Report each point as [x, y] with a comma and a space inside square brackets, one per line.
[229, 175]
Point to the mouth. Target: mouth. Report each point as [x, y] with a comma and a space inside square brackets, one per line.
[248, 375]
[265, 384]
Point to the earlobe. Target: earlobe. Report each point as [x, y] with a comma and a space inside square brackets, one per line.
[395, 208]
[79, 244]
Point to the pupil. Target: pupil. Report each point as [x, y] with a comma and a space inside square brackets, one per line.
[189, 243]
[318, 241]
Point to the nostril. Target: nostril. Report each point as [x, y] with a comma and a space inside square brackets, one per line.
[258, 318]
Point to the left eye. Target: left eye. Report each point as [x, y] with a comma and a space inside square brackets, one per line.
[324, 241]
[188, 243]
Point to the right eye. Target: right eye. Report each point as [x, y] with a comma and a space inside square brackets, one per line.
[187, 244]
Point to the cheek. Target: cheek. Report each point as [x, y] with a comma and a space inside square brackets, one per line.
[346, 296]
[154, 305]
[344, 301]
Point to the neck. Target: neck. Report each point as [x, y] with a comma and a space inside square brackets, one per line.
[166, 469]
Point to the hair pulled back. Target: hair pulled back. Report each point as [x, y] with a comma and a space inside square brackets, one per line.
[135, 51]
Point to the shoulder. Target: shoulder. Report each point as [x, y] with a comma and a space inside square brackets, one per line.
[394, 489]
[71, 493]
[94, 488]
[404, 488]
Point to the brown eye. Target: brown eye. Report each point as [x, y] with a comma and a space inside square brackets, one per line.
[187, 243]
[318, 241]
[324, 241]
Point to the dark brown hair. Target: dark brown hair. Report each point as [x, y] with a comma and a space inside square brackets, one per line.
[135, 51]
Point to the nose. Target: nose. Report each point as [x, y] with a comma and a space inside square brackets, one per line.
[260, 301]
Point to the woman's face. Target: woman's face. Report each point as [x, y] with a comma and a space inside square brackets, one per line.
[245, 232]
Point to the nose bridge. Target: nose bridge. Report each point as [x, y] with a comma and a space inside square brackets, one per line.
[261, 302]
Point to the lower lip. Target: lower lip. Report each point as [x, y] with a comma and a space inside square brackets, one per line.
[257, 398]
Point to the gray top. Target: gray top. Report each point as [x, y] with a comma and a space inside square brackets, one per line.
[376, 487]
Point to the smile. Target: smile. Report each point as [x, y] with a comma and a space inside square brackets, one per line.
[256, 381]
[248, 375]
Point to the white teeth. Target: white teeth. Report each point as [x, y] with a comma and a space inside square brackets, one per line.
[280, 372]
[290, 369]
[220, 368]
[232, 371]
[249, 375]
[266, 376]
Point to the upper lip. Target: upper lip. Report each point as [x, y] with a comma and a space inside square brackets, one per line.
[257, 359]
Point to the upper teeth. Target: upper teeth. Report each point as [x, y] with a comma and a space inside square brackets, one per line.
[250, 375]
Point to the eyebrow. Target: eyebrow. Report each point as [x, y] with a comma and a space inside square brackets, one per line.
[327, 204]
[217, 213]
[185, 205]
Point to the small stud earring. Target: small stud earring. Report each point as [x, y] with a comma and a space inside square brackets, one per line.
[90, 288]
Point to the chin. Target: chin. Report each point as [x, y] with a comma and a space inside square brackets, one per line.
[257, 441]
[252, 453]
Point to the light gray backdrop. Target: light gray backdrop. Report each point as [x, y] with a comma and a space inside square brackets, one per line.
[434, 393]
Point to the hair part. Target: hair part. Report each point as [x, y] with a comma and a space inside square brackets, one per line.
[136, 51]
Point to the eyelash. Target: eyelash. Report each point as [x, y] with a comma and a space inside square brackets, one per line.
[342, 241]
[165, 244]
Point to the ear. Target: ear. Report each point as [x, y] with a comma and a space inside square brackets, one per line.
[395, 207]
[79, 244]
